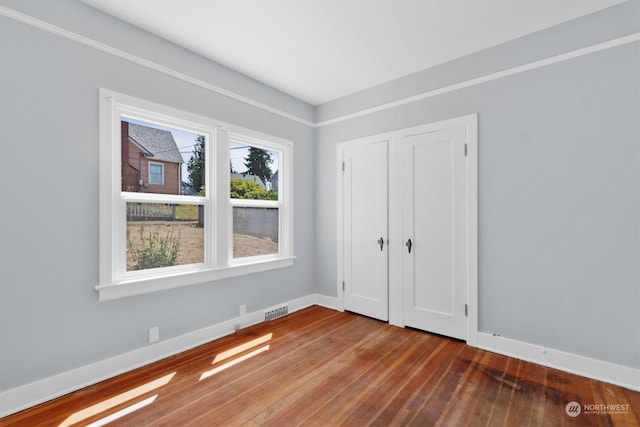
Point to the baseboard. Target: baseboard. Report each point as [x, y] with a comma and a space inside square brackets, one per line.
[26, 396]
[580, 365]
[325, 301]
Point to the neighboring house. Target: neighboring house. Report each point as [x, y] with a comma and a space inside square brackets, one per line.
[271, 185]
[151, 161]
[188, 190]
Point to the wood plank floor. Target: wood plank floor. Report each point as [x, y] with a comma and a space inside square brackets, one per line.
[319, 367]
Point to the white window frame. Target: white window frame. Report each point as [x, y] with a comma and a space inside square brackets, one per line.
[149, 164]
[114, 280]
[279, 204]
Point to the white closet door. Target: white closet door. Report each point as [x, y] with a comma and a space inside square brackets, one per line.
[434, 261]
[366, 259]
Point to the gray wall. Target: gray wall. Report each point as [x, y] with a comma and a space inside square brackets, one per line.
[50, 317]
[559, 183]
[559, 187]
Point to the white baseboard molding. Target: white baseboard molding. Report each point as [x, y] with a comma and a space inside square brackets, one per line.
[325, 301]
[600, 370]
[26, 396]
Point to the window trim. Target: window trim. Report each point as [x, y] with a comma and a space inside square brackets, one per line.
[114, 281]
[283, 197]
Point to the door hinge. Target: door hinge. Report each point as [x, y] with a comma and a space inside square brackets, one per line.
[465, 149]
[466, 310]
[343, 286]
[342, 166]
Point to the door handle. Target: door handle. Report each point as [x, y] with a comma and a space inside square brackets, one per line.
[409, 244]
[381, 243]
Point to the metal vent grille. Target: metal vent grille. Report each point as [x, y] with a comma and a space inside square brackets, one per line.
[276, 312]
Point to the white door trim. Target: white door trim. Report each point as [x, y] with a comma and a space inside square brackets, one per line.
[470, 123]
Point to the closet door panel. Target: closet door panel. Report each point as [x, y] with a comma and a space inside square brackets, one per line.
[366, 283]
[434, 230]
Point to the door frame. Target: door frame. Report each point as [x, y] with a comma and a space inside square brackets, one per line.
[470, 124]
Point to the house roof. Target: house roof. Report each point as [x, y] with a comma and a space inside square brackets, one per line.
[158, 143]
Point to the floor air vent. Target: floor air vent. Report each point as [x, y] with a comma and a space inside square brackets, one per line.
[276, 312]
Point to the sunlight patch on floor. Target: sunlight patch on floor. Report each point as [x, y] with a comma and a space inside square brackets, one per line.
[242, 347]
[119, 399]
[235, 351]
[122, 412]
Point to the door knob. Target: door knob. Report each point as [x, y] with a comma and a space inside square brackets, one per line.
[381, 243]
[409, 244]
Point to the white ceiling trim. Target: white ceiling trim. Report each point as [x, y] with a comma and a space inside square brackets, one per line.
[53, 29]
[42, 25]
[489, 77]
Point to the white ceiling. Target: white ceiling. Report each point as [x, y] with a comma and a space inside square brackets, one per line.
[320, 50]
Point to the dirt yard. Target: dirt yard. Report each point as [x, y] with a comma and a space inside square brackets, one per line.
[192, 241]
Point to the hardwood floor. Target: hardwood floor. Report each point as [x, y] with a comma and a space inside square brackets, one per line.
[319, 367]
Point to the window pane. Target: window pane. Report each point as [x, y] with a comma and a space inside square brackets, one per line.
[156, 174]
[255, 231]
[164, 235]
[253, 172]
[161, 159]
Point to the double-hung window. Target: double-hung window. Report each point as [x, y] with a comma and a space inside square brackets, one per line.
[185, 199]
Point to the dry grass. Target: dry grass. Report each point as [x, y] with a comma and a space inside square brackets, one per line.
[244, 246]
[192, 241]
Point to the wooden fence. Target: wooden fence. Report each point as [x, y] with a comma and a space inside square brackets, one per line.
[151, 212]
[252, 221]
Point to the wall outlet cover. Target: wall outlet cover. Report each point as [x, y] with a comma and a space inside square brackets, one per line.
[154, 335]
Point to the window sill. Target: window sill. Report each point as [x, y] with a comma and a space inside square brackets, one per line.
[131, 287]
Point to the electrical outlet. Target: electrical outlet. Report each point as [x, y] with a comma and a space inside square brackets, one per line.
[154, 335]
[243, 310]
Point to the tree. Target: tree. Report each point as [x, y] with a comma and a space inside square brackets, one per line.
[257, 163]
[245, 189]
[195, 167]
